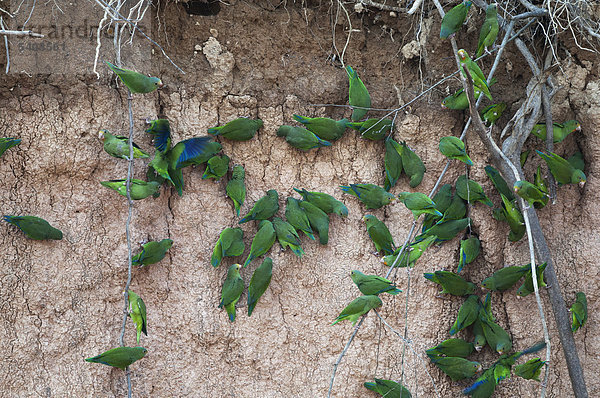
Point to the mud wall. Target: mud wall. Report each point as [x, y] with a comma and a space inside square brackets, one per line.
[62, 301]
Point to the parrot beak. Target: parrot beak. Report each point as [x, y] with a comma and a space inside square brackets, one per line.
[101, 134]
[160, 83]
[581, 184]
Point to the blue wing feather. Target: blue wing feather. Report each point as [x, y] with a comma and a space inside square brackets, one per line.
[162, 131]
[192, 148]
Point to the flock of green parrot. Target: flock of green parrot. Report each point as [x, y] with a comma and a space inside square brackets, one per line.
[444, 217]
[309, 215]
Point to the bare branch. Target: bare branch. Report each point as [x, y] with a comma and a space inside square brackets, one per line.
[549, 130]
[6, 46]
[414, 7]
[115, 15]
[20, 33]
[385, 7]
[335, 366]
[6, 12]
[408, 342]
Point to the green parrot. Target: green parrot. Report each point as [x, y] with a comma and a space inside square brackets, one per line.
[451, 348]
[34, 227]
[456, 211]
[539, 180]
[169, 161]
[262, 241]
[324, 127]
[476, 73]
[230, 244]
[263, 208]
[505, 278]
[532, 194]
[410, 255]
[454, 148]
[232, 290]
[120, 357]
[457, 368]
[523, 157]
[373, 284]
[392, 163]
[297, 217]
[358, 95]
[373, 196]
[159, 170]
[196, 156]
[151, 176]
[136, 82]
[323, 201]
[496, 337]
[388, 389]
[236, 187]
[579, 312]
[562, 170]
[442, 200]
[287, 236]
[137, 313]
[499, 182]
[152, 252]
[451, 283]
[374, 129]
[240, 129]
[471, 191]
[467, 314]
[419, 203]
[479, 340]
[489, 30]
[161, 130]
[469, 250]
[527, 287]
[485, 309]
[359, 306]
[379, 234]
[259, 283]
[577, 161]
[216, 167]
[445, 230]
[189, 152]
[459, 101]
[138, 189]
[498, 214]
[413, 166]
[501, 372]
[318, 220]
[7, 143]
[483, 387]
[454, 19]
[559, 131]
[492, 113]
[514, 218]
[301, 138]
[118, 146]
[531, 369]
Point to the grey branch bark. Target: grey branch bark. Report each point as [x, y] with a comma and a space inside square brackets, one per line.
[20, 33]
